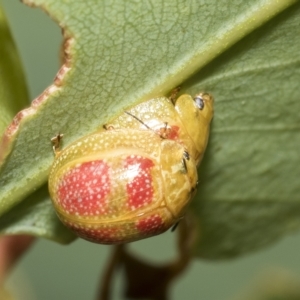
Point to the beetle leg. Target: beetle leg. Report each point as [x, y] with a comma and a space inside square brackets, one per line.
[174, 94]
[164, 131]
[56, 140]
[183, 161]
[108, 127]
[176, 224]
[186, 155]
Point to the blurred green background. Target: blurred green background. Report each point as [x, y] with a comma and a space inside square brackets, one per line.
[50, 271]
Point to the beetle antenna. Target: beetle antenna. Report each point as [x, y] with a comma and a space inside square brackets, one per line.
[136, 118]
[139, 120]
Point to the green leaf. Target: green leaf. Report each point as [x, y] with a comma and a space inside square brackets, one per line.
[123, 52]
[13, 92]
[35, 216]
[249, 181]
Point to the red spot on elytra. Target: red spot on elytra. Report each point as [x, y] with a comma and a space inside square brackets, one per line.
[110, 235]
[151, 225]
[173, 133]
[83, 189]
[139, 189]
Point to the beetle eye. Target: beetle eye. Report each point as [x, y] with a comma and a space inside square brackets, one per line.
[199, 101]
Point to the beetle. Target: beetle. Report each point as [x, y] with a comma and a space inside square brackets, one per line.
[134, 178]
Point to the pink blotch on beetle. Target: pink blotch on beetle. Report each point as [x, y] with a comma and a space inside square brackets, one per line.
[83, 189]
[96, 235]
[150, 225]
[139, 190]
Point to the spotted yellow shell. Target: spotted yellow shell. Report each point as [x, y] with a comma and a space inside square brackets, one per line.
[135, 179]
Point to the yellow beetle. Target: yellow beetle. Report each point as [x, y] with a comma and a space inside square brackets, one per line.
[136, 178]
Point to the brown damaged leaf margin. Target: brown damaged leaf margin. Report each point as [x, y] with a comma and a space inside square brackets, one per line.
[21, 117]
